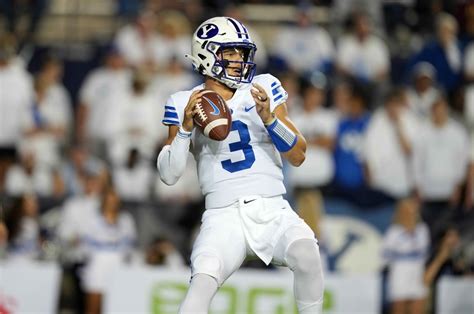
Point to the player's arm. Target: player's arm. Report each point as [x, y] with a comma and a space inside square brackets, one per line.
[172, 159]
[285, 135]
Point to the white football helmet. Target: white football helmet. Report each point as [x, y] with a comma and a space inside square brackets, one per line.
[211, 38]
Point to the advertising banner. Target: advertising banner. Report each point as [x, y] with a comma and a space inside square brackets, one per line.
[455, 295]
[29, 287]
[160, 291]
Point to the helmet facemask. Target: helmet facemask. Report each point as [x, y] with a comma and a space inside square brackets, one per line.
[243, 71]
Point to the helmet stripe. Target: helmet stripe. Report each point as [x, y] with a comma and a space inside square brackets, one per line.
[237, 29]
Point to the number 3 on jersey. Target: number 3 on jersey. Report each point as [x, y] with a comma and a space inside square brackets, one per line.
[242, 145]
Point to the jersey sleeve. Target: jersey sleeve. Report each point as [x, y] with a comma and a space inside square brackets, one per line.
[171, 116]
[274, 90]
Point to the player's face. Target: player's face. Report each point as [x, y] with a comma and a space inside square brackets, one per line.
[234, 56]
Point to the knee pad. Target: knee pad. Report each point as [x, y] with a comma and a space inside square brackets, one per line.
[303, 256]
[209, 264]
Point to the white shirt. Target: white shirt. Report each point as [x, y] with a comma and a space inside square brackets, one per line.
[135, 49]
[16, 95]
[363, 59]
[135, 126]
[55, 111]
[133, 184]
[305, 49]
[406, 254]
[421, 103]
[390, 169]
[318, 167]
[101, 91]
[246, 162]
[75, 216]
[441, 159]
[18, 182]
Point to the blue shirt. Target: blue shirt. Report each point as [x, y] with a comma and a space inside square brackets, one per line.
[349, 170]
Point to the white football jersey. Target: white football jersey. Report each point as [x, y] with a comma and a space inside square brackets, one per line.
[246, 162]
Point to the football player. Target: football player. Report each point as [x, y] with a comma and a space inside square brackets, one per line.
[240, 177]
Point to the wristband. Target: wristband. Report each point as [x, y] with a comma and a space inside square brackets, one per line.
[183, 134]
[282, 136]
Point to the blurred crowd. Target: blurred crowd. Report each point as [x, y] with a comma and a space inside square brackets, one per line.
[383, 94]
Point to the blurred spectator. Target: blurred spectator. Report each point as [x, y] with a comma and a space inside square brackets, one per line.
[444, 53]
[174, 38]
[13, 104]
[290, 81]
[45, 125]
[318, 126]
[422, 93]
[133, 180]
[405, 250]
[341, 98]
[101, 91]
[443, 141]
[136, 125]
[74, 219]
[341, 11]
[138, 42]
[108, 242]
[23, 229]
[388, 149]
[261, 55]
[173, 78]
[162, 252]
[361, 54]
[28, 176]
[349, 142]
[304, 47]
[13, 10]
[78, 163]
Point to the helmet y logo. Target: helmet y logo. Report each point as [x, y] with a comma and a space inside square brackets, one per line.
[208, 31]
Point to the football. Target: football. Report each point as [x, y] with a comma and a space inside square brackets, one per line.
[213, 116]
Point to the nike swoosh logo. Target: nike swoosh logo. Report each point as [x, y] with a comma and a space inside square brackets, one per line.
[249, 108]
[249, 201]
[216, 111]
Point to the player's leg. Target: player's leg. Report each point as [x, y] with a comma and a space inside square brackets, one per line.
[219, 250]
[199, 296]
[303, 259]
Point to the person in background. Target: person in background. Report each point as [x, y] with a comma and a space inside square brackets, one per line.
[444, 53]
[45, 125]
[350, 180]
[442, 141]
[318, 126]
[134, 179]
[422, 93]
[13, 104]
[135, 126]
[108, 242]
[102, 89]
[23, 230]
[304, 47]
[406, 247]
[361, 54]
[388, 147]
[27, 176]
[138, 42]
[74, 170]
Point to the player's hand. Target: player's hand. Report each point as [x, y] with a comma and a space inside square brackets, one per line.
[191, 110]
[262, 103]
